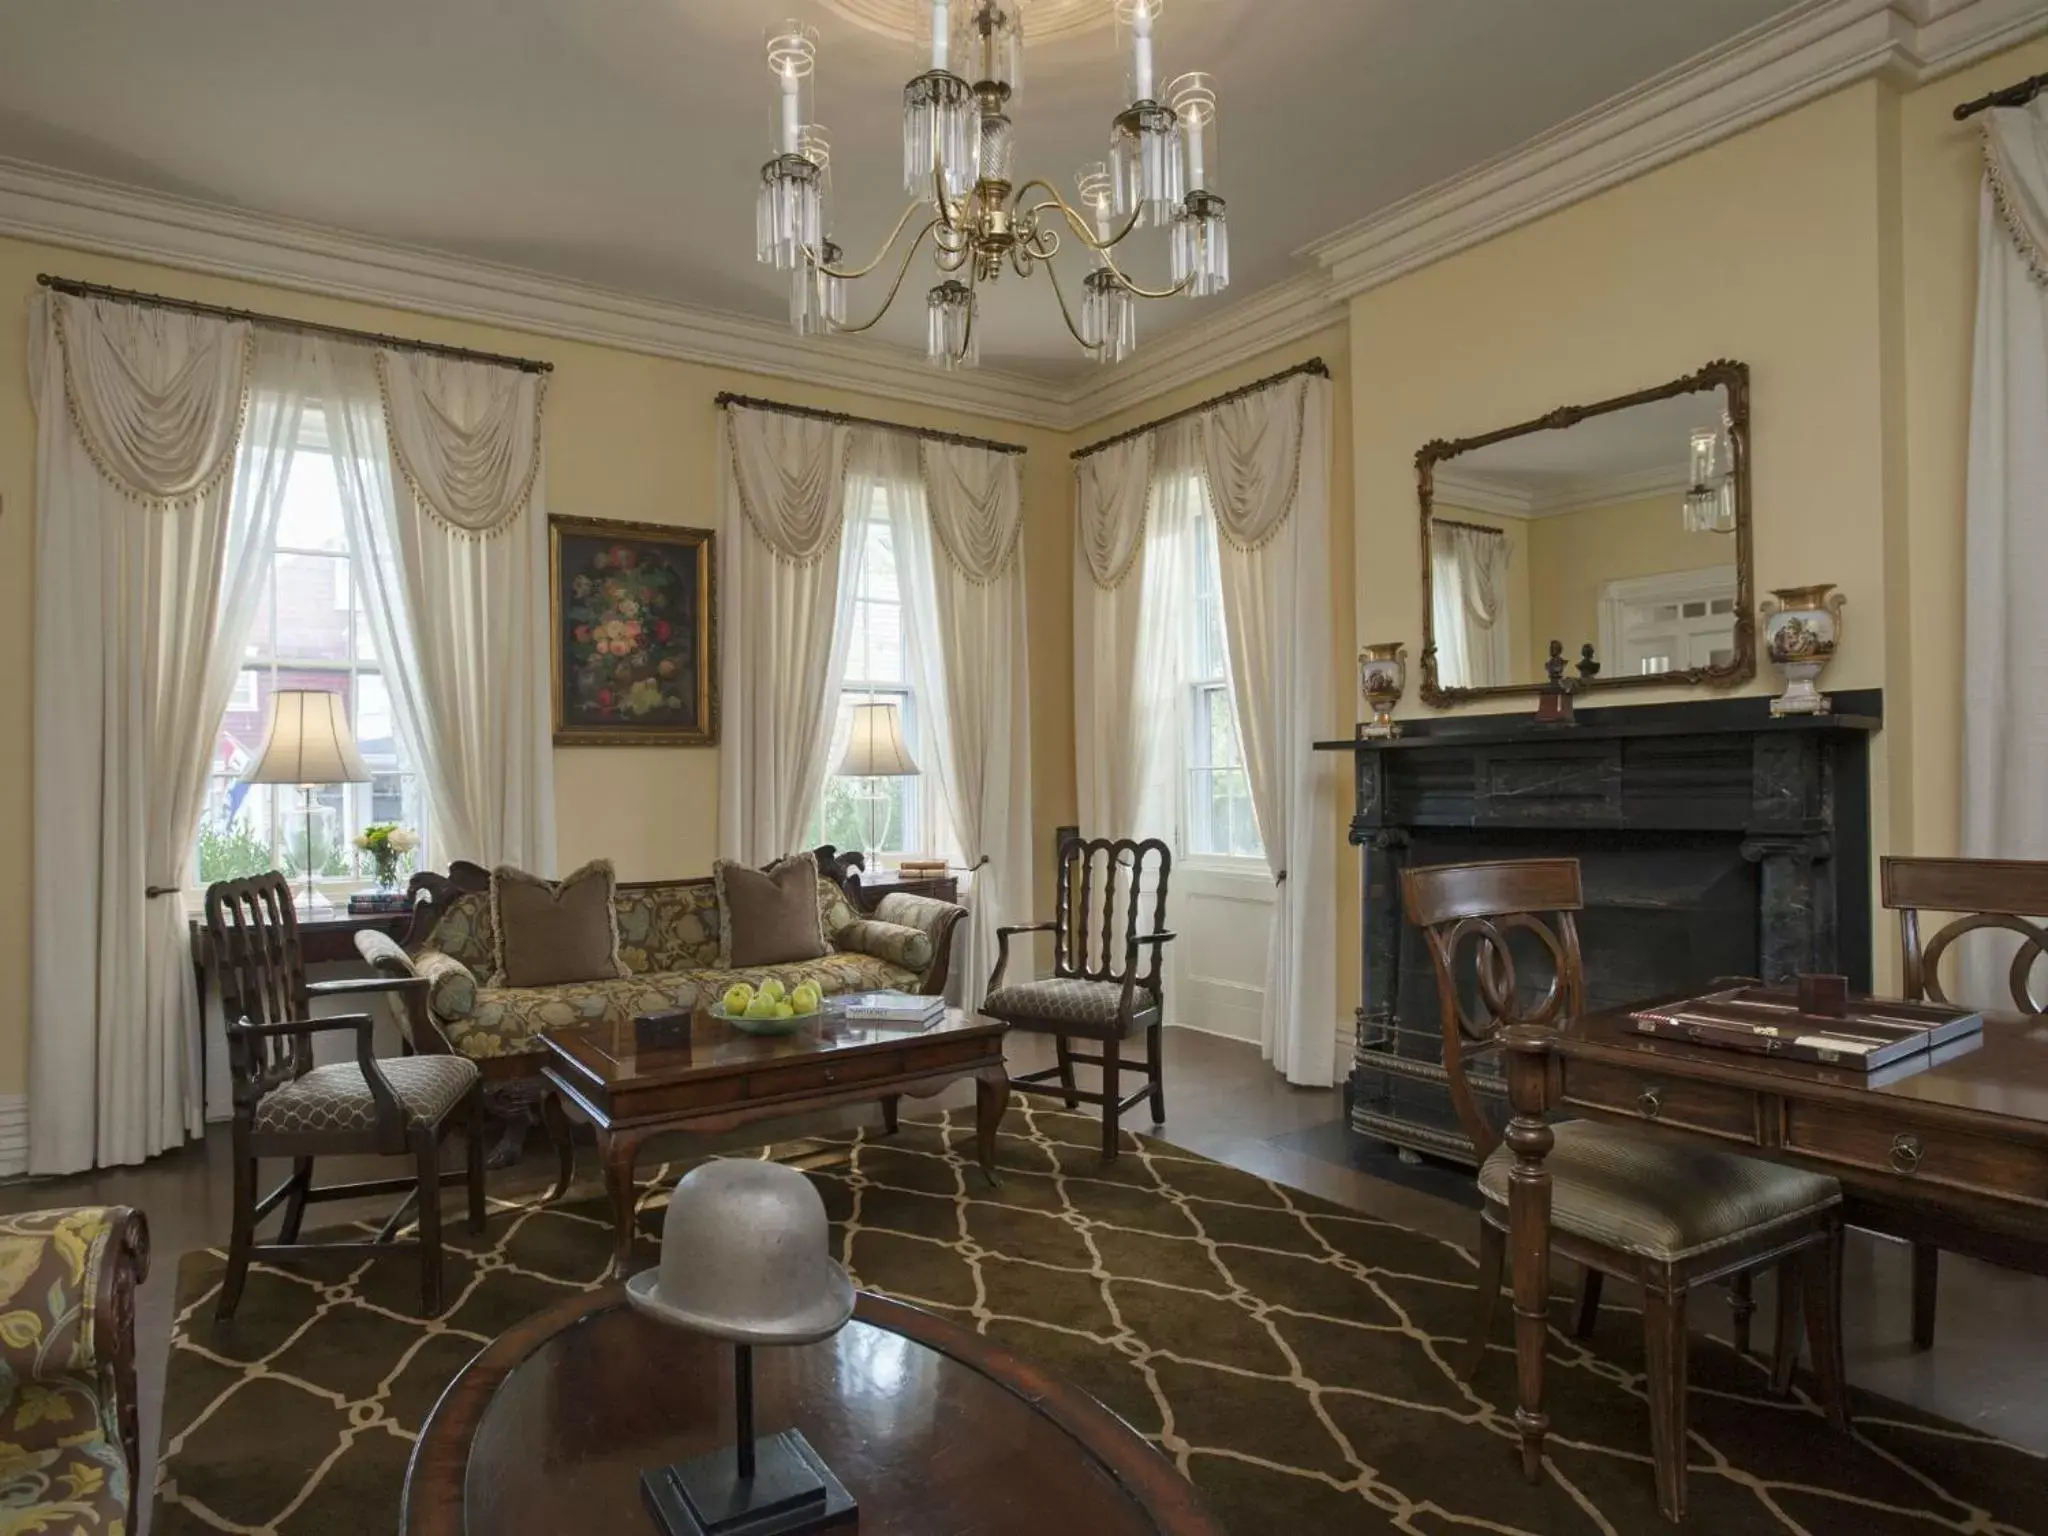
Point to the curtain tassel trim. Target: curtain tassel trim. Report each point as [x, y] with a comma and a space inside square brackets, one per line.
[835, 526]
[518, 503]
[2033, 251]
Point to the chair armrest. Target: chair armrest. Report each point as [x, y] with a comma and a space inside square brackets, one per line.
[355, 986]
[257, 1069]
[1006, 933]
[898, 943]
[1013, 929]
[1161, 937]
[67, 1286]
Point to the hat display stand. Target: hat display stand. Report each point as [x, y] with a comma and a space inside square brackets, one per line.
[745, 1257]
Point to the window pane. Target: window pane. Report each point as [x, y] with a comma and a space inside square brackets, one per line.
[262, 639]
[376, 736]
[311, 516]
[313, 607]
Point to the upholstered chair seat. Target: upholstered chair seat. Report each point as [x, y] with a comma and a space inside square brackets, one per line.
[1077, 1005]
[338, 1098]
[1658, 1198]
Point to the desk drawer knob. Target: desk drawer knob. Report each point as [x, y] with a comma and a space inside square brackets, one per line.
[1650, 1103]
[1906, 1152]
[831, 1074]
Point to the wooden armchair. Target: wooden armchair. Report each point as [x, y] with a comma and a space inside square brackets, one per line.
[1663, 1213]
[1098, 990]
[71, 1451]
[285, 1106]
[2006, 894]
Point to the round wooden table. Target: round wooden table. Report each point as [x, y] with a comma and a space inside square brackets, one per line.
[932, 1428]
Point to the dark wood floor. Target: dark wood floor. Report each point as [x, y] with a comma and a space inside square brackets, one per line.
[1987, 1369]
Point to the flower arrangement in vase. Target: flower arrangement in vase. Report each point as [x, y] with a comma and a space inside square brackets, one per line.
[386, 845]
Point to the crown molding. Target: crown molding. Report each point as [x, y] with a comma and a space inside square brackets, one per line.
[1763, 73]
[1465, 492]
[37, 203]
[1269, 319]
[1503, 498]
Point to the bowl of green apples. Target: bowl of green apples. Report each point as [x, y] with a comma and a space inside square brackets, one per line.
[769, 1009]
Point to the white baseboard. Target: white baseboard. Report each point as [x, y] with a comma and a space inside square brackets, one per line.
[13, 1135]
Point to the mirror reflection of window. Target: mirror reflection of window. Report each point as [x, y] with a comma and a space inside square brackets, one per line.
[1469, 603]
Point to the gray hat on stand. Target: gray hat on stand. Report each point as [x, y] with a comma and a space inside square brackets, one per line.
[746, 1256]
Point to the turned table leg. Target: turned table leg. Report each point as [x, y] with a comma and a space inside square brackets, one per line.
[991, 1099]
[556, 1119]
[1530, 1139]
[618, 1151]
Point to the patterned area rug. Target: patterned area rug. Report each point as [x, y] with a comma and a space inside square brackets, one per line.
[1291, 1357]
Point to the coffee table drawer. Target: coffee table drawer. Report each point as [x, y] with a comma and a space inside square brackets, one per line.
[2003, 1170]
[814, 1076]
[1727, 1112]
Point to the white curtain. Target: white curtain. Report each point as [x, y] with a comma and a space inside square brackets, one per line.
[1266, 462]
[787, 573]
[965, 577]
[163, 444]
[2005, 672]
[450, 539]
[1133, 573]
[1468, 602]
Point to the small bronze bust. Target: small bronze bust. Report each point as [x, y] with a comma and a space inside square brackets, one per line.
[1587, 667]
[1554, 668]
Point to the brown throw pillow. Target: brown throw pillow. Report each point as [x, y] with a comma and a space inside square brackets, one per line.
[769, 917]
[555, 931]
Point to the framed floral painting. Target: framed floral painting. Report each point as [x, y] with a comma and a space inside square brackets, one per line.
[635, 609]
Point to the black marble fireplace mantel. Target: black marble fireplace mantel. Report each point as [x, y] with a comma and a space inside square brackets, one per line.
[1713, 840]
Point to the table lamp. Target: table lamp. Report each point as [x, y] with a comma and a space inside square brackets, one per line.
[746, 1257]
[875, 750]
[309, 745]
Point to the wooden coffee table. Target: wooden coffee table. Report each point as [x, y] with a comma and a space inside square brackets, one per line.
[932, 1428]
[722, 1079]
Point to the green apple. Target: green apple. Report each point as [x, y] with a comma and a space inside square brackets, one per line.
[773, 990]
[762, 1007]
[784, 1011]
[806, 998]
[737, 997]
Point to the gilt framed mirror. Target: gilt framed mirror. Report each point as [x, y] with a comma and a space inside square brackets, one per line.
[1623, 526]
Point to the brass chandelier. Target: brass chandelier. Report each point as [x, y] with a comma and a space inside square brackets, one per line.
[959, 149]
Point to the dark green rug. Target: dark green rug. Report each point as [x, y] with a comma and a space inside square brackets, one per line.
[1291, 1357]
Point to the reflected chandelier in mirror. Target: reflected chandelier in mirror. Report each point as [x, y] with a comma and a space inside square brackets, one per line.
[1623, 526]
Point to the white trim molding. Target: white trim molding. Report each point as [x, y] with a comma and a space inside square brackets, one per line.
[13, 1135]
[1503, 498]
[1770, 70]
[37, 203]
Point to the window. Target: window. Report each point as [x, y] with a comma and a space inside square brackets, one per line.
[883, 815]
[1217, 815]
[310, 631]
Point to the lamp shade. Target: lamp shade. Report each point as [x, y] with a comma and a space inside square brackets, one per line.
[308, 742]
[874, 747]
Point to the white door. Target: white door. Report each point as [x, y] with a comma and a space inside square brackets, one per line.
[1668, 622]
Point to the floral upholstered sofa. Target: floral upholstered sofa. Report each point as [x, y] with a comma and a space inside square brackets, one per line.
[68, 1441]
[668, 938]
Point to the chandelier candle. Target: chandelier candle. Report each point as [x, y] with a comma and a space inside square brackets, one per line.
[980, 215]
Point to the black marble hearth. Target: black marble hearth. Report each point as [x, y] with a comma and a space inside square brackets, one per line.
[1713, 841]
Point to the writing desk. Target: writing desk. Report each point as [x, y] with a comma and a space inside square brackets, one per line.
[1954, 1155]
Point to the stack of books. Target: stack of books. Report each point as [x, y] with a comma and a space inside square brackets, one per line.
[921, 869]
[377, 903]
[889, 1010]
[1866, 1033]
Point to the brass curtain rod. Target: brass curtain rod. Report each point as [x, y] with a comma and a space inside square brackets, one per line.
[79, 290]
[726, 398]
[1452, 522]
[1314, 365]
[2012, 96]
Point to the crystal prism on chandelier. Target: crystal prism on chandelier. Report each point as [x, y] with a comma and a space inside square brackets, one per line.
[959, 157]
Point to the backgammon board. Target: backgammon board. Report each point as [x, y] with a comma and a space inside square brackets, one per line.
[1867, 1033]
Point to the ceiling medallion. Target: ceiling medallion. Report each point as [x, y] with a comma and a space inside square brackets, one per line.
[1048, 18]
[959, 154]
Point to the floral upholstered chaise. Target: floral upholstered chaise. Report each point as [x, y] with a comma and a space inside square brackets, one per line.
[668, 938]
[68, 1442]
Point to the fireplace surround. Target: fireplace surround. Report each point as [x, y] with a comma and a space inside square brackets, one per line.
[1713, 841]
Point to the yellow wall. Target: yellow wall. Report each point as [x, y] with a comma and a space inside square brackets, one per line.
[1333, 347]
[1572, 555]
[629, 437]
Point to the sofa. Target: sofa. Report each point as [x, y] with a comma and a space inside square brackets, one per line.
[668, 938]
[68, 1441]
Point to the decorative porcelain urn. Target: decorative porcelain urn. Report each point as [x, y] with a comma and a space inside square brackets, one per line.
[1382, 673]
[1802, 626]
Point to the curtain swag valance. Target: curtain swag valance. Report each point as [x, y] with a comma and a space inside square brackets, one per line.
[466, 436]
[790, 475]
[1113, 492]
[2016, 165]
[976, 502]
[1251, 461]
[158, 399]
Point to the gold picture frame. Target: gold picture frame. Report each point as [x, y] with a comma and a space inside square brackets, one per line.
[634, 652]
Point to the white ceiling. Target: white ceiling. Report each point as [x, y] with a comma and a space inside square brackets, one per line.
[619, 143]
